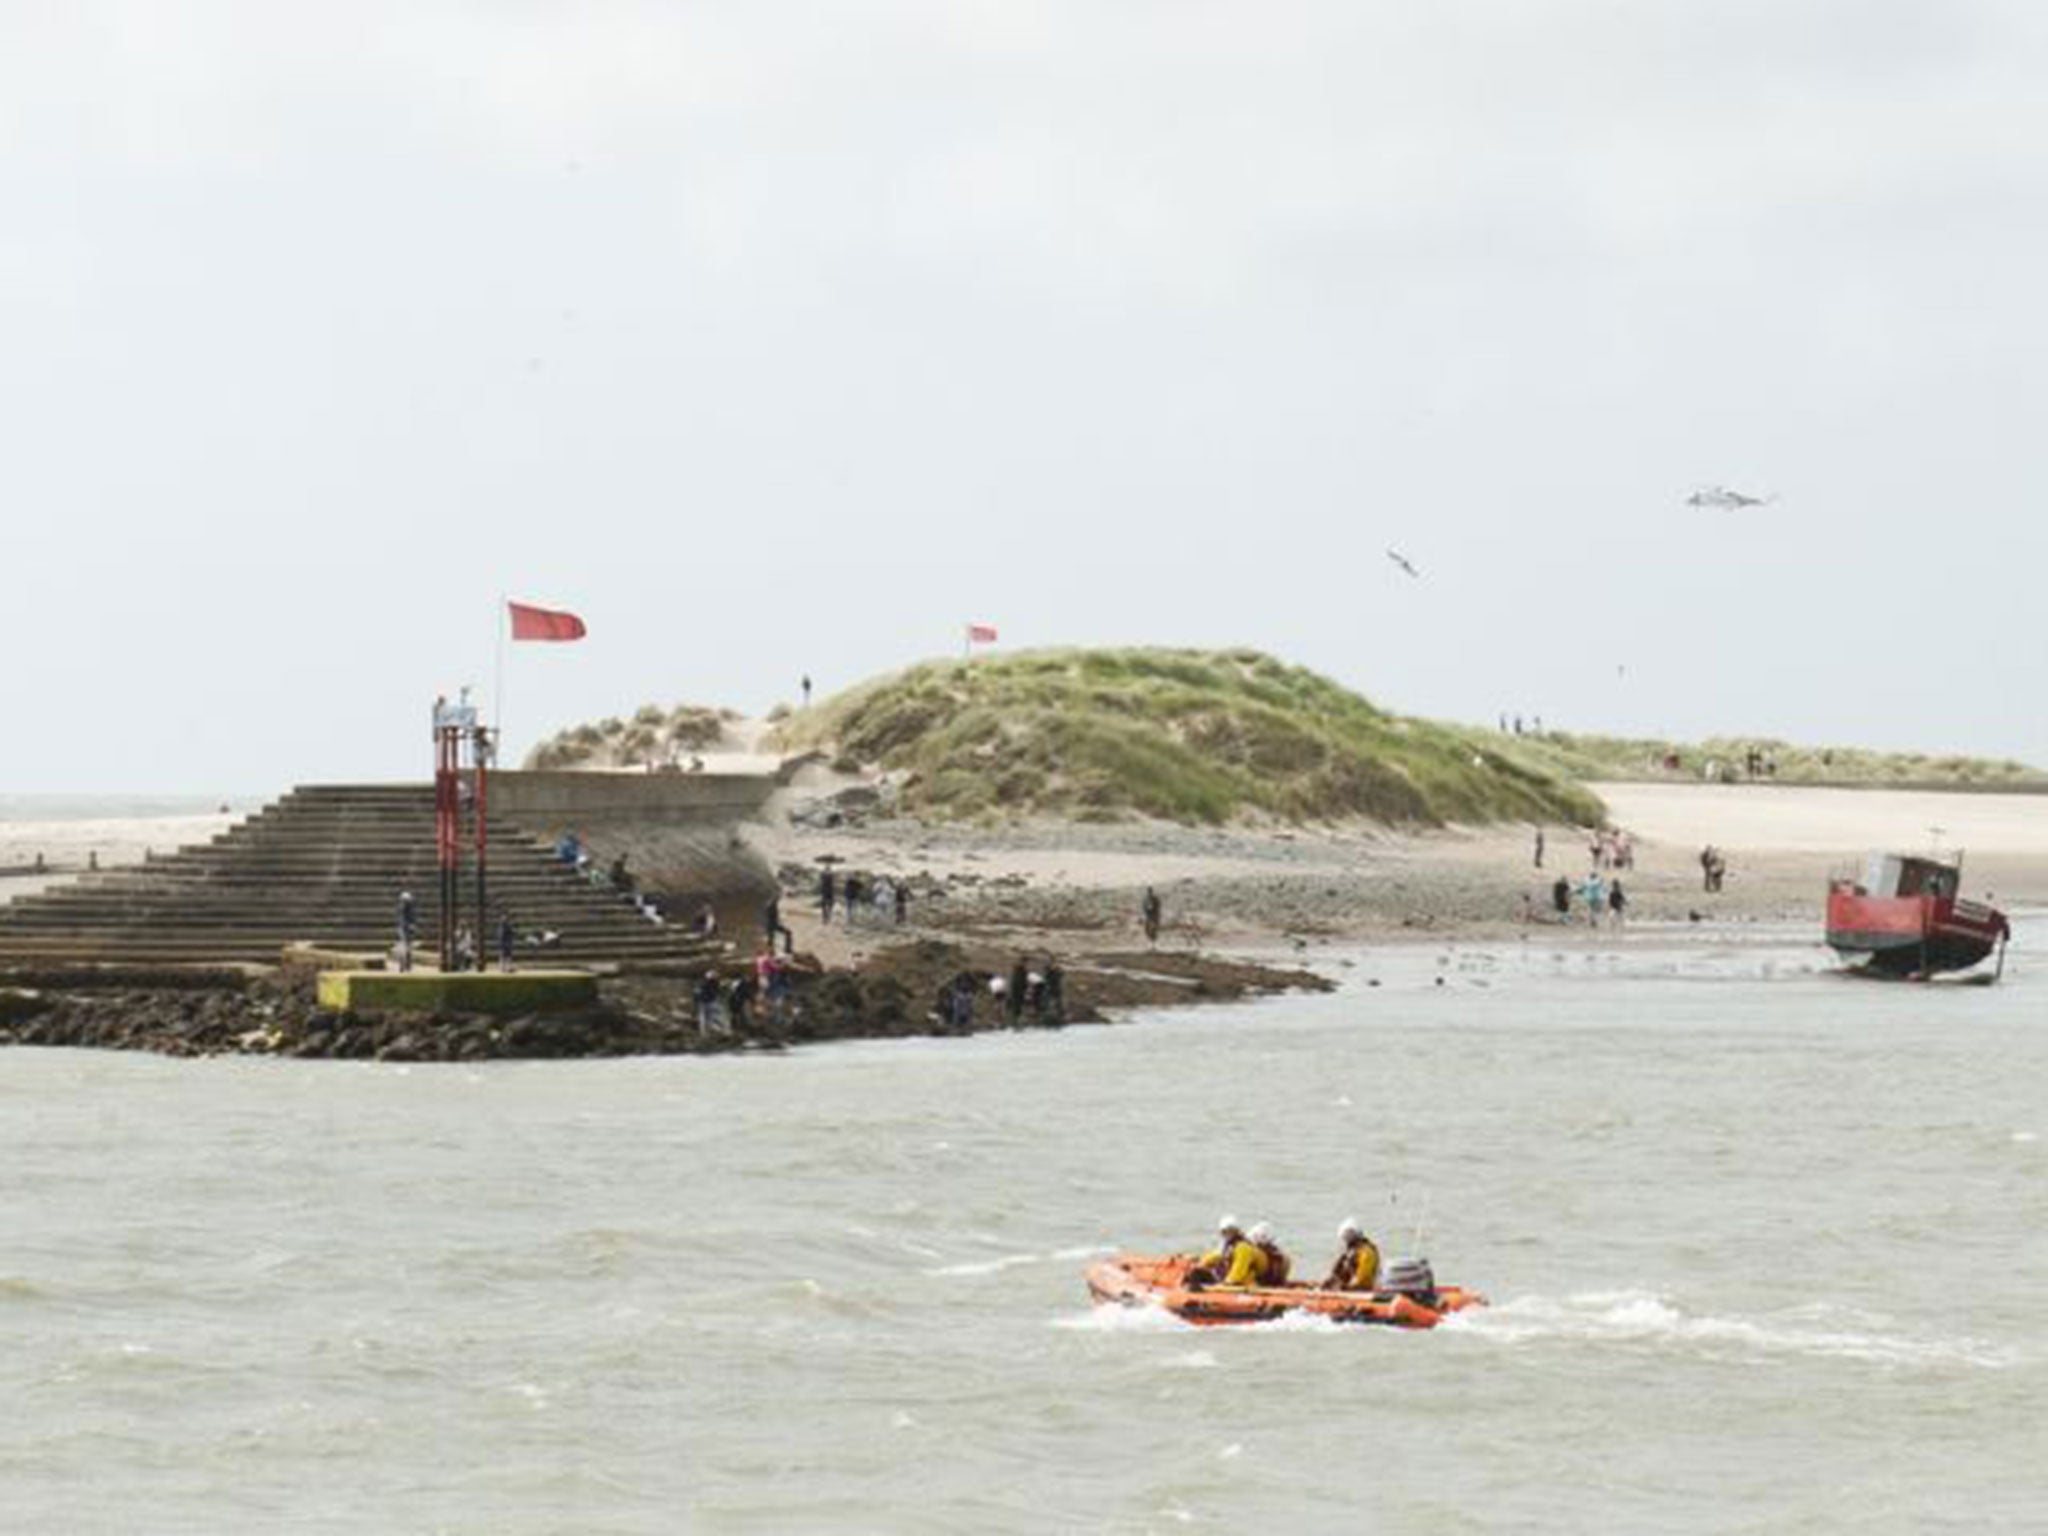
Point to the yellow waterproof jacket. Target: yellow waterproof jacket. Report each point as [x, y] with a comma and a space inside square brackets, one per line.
[1358, 1269]
[1247, 1265]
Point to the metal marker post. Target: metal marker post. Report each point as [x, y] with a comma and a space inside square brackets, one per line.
[447, 814]
[479, 750]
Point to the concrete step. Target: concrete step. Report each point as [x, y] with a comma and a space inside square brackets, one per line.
[325, 863]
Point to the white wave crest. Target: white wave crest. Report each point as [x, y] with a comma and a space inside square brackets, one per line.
[1642, 1317]
[1115, 1319]
[1005, 1261]
[989, 1266]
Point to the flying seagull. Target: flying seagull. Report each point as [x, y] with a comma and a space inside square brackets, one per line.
[1402, 561]
[1723, 498]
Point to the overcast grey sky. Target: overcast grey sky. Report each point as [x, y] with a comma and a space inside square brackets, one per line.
[776, 338]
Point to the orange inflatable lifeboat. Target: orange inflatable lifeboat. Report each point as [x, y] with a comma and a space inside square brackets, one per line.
[1133, 1280]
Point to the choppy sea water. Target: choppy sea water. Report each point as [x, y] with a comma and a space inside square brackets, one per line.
[1767, 1249]
[96, 808]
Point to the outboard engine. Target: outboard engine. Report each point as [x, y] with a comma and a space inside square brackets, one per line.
[1412, 1278]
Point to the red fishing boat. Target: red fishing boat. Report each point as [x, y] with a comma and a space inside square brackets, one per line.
[1905, 918]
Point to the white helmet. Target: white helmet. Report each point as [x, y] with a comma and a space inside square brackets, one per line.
[1349, 1230]
[1228, 1224]
[1260, 1233]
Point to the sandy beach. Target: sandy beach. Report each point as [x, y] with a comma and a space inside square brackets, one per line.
[68, 847]
[1259, 887]
[1067, 884]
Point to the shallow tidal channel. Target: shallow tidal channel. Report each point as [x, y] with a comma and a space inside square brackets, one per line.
[1765, 1247]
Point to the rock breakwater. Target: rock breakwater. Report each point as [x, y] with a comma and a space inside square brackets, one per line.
[898, 992]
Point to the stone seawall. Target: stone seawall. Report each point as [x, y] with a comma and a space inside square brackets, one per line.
[680, 832]
[547, 800]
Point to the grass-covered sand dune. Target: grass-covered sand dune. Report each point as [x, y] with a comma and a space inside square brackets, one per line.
[1206, 737]
[1618, 758]
[653, 737]
[1186, 736]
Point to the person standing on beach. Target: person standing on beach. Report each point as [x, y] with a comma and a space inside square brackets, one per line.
[902, 902]
[1561, 898]
[507, 937]
[1713, 868]
[773, 926]
[1152, 909]
[828, 888]
[739, 997]
[1013, 998]
[1617, 903]
[1539, 847]
[807, 690]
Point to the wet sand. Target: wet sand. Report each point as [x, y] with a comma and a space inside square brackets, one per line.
[1069, 884]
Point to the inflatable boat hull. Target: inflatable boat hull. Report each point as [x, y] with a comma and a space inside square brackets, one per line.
[1133, 1280]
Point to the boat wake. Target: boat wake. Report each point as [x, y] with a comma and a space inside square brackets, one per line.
[1103, 1319]
[996, 1266]
[1642, 1318]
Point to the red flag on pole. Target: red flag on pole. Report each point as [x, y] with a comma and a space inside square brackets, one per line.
[529, 623]
[981, 634]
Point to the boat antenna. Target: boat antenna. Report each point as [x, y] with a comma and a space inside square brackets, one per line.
[1421, 1219]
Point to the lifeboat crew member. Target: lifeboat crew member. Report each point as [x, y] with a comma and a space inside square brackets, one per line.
[1220, 1260]
[1277, 1264]
[1358, 1265]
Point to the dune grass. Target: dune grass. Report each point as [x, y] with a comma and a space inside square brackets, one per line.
[652, 737]
[1623, 758]
[1199, 737]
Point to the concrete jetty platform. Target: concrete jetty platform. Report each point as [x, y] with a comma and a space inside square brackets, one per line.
[457, 991]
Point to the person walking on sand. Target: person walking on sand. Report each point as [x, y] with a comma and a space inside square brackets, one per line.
[902, 902]
[807, 690]
[1152, 910]
[1594, 892]
[1617, 903]
[1561, 898]
[508, 936]
[1539, 847]
[828, 889]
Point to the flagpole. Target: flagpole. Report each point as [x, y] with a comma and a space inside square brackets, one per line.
[498, 680]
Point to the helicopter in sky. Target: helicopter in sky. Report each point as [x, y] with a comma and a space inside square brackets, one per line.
[1719, 496]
